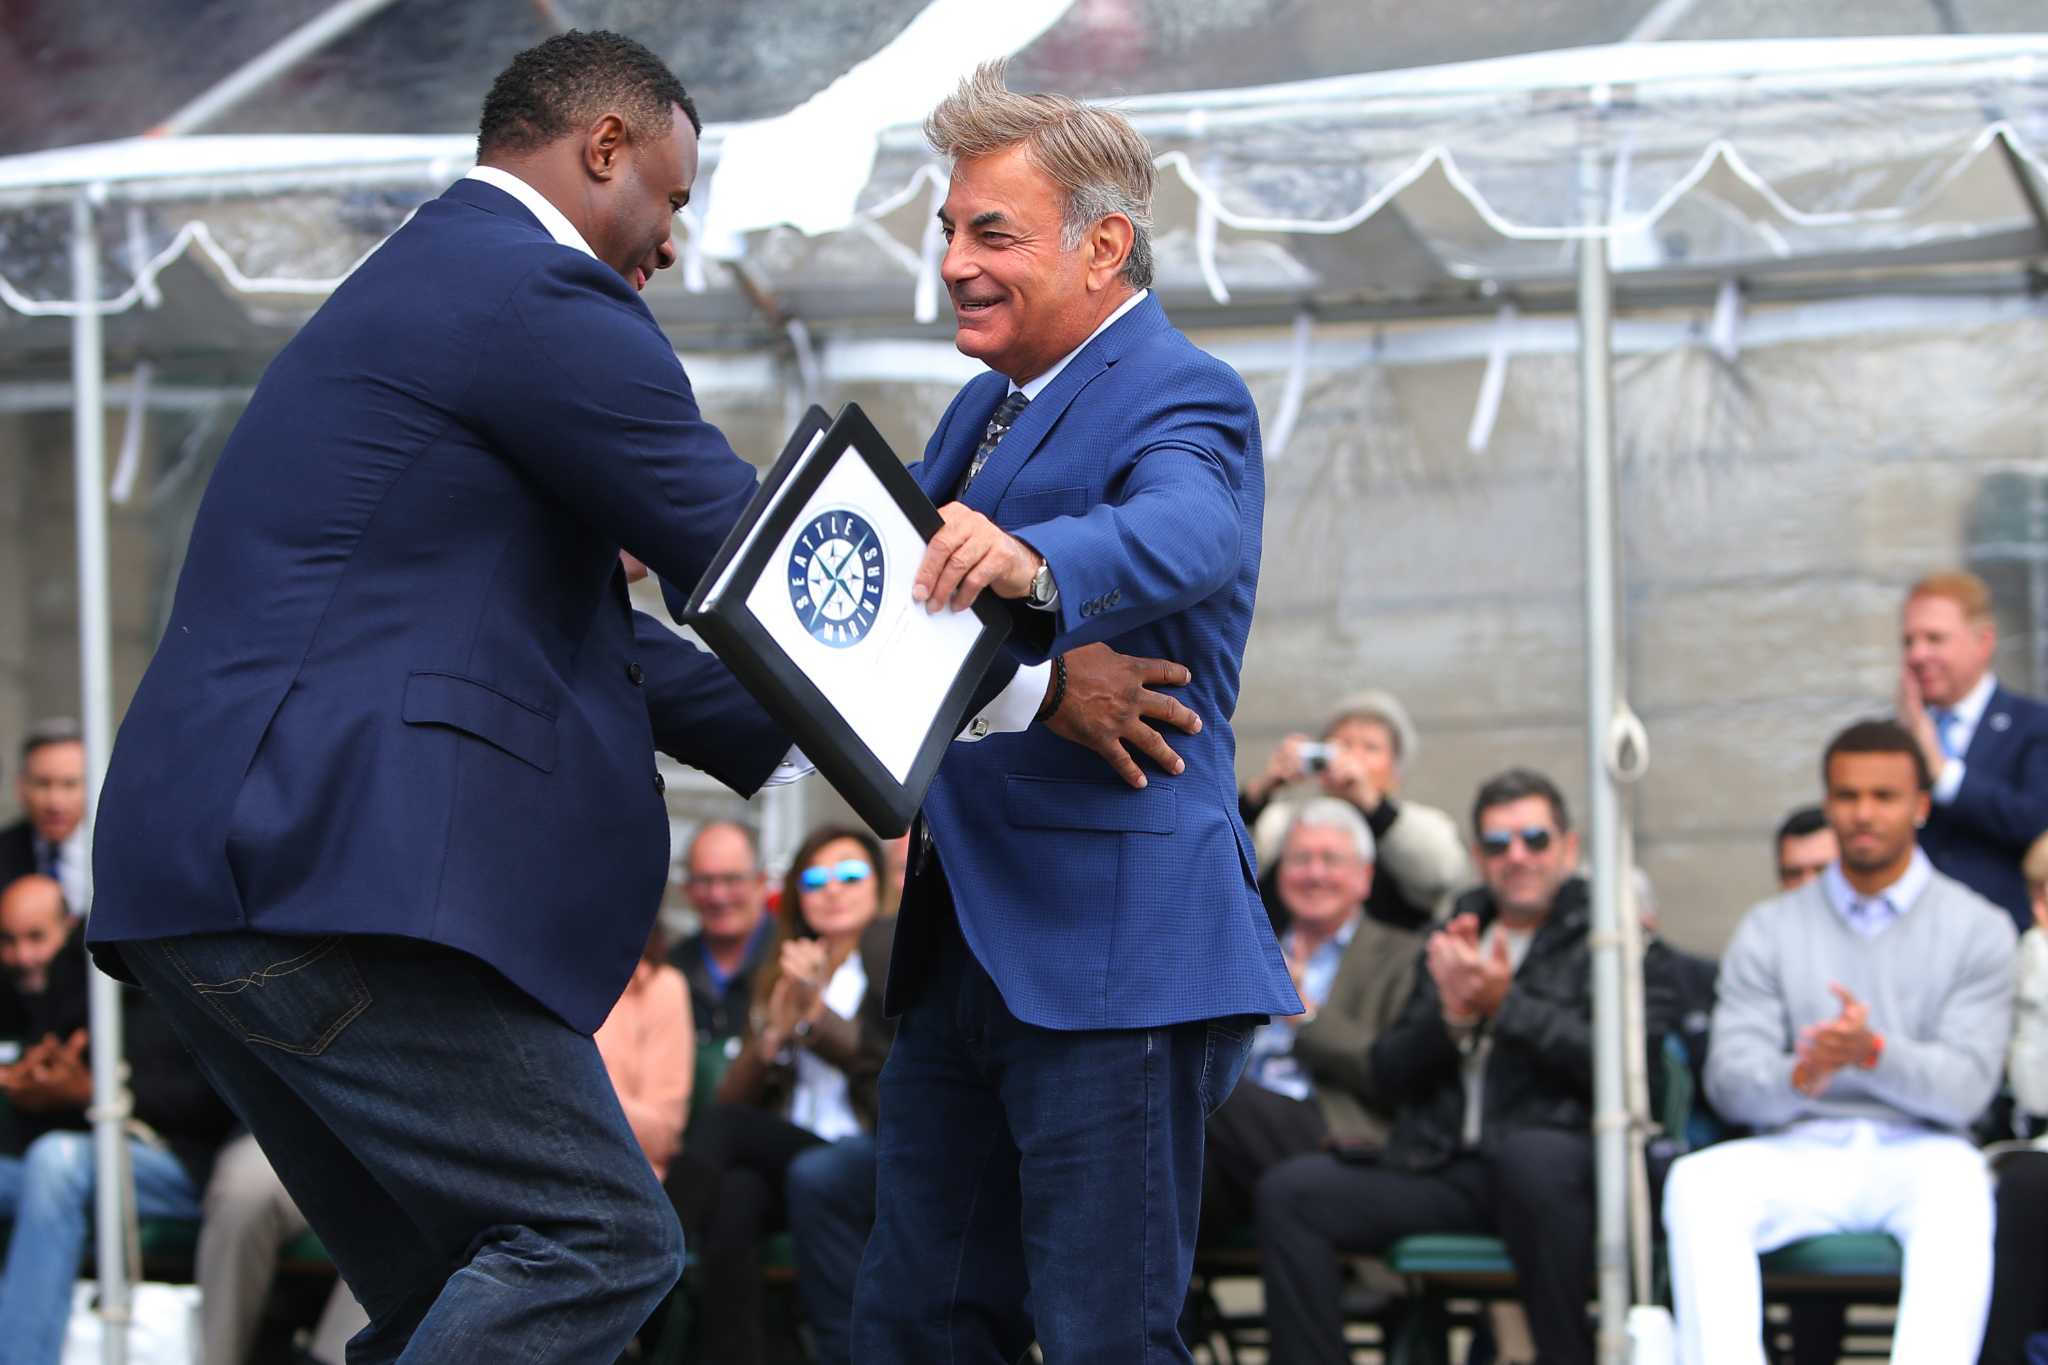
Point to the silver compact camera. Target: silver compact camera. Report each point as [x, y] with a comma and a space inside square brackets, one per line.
[1315, 757]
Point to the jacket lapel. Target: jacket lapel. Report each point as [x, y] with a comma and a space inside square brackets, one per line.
[1992, 728]
[941, 474]
[1044, 413]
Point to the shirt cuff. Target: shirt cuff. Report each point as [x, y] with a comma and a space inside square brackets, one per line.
[1949, 782]
[1014, 708]
[794, 767]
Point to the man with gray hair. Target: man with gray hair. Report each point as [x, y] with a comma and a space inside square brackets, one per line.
[1079, 963]
[1310, 1081]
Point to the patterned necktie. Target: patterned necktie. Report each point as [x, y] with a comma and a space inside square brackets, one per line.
[998, 427]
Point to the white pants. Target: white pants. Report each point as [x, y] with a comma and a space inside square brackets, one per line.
[1733, 1200]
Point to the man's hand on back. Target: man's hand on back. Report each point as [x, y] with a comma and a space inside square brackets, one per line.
[1108, 702]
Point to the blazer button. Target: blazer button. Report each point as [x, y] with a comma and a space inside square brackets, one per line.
[660, 784]
[635, 674]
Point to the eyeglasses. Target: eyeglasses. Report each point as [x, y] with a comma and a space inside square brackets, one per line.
[1535, 838]
[721, 881]
[1301, 858]
[846, 870]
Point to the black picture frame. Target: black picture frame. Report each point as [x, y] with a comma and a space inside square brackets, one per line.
[765, 670]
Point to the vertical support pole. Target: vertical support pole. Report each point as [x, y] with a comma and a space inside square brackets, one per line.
[1596, 426]
[89, 459]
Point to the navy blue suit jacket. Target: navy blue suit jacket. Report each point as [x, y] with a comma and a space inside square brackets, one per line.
[1137, 474]
[1980, 837]
[401, 690]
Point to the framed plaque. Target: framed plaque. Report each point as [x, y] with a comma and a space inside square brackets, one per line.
[808, 602]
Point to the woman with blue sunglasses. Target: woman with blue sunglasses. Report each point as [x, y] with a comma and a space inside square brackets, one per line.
[790, 1141]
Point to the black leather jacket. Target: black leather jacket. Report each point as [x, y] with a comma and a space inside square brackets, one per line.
[1540, 1071]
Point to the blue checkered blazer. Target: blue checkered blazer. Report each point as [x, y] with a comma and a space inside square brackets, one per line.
[1137, 475]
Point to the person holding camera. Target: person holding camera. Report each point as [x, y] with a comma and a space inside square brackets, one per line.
[1360, 759]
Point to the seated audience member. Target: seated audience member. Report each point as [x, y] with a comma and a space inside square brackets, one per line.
[2019, 1289]
[1490, 1074]
[649, 1046]
[797, 1105]
[1986, 746]
[48, 1190]
[1367, 745]
[1858, 1030]
[1806, 845]
[48, 839]
[1308, 1081]
[247, 1221]
[725, 886]
[44, 969]
[1678, 998]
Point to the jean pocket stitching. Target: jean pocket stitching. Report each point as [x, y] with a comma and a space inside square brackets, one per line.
[185, 972]
[359, 994]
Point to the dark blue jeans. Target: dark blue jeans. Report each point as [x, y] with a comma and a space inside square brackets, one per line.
[459, 1149]
[1015, 1160]
[831, 1194]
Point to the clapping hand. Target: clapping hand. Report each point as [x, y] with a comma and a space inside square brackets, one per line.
[804, 966]
[51, 1077]
[1473, 984]
[1825, 1048]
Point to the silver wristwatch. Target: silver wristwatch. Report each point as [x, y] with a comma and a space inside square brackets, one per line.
[1044, 592]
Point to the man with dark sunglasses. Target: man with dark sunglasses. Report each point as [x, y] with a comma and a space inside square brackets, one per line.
[1490, 1070]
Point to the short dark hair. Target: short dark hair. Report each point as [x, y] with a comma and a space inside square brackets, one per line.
[551, 89]
[62, 730]
[1517, 784]
[1878, 737]
[1800, 823]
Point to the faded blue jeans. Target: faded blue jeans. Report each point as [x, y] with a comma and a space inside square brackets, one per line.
[459, 1149]
[1035, 1184]
[48, 1192]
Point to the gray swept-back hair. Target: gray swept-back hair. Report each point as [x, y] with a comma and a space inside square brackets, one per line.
[1103, 164]
[1328, 812]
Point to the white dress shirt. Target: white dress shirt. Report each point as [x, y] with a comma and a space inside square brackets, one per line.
[1872, 915]
[1964, 717]
[1013, 709]
[821, 1101]
[68, 868]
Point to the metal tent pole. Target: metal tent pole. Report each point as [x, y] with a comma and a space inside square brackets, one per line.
[268, 65]
[1610, 1115]
[113, 1193]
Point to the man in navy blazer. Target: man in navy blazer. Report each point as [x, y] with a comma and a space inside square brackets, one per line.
[1987, 746]
[1078, 963]
[382, 828]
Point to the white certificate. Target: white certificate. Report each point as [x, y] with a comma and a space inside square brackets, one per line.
[809, 603]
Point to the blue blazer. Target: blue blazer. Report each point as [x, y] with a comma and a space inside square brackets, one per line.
[1137, 475]
[1980, 837]
[401, 690]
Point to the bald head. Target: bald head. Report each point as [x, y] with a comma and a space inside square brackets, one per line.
[33, 926]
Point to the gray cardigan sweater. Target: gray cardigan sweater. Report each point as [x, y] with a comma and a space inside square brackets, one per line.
[1939, 984]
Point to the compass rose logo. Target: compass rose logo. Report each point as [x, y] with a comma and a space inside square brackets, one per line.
[835, 577]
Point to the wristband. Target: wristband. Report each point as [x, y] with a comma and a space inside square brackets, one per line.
[1876, 1052]
[1058, 694]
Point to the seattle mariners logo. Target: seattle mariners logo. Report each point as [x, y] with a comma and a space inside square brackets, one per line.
[835, 578]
